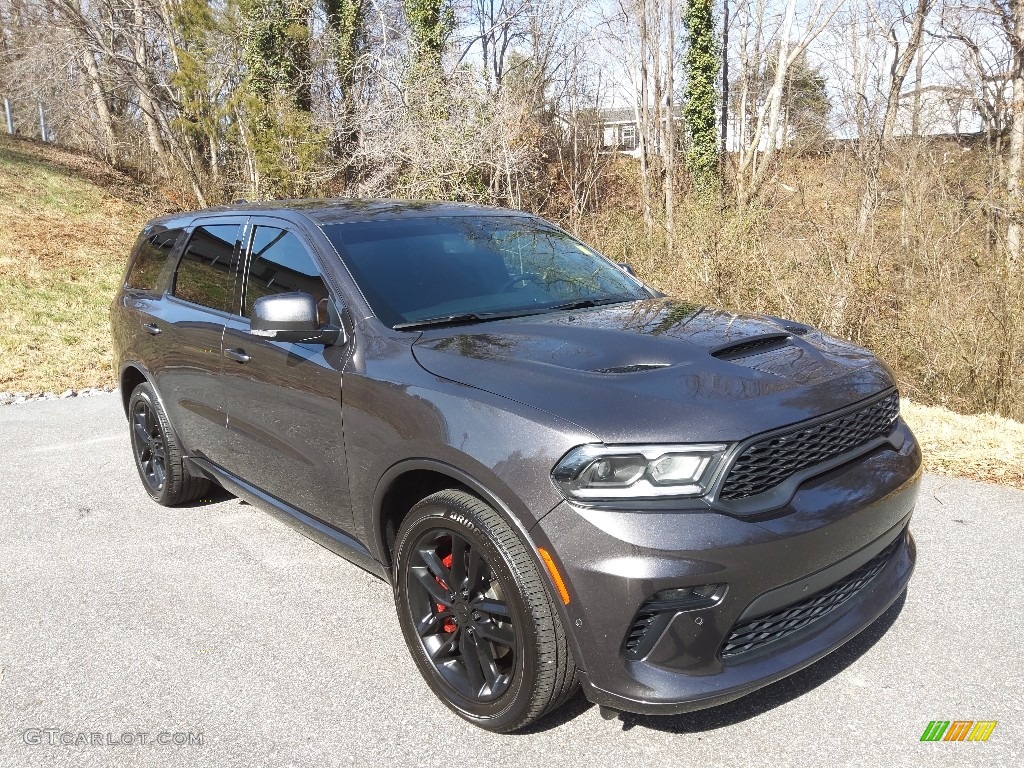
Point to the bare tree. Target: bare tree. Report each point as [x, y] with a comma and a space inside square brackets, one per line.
[793, 36]
[1011, 19]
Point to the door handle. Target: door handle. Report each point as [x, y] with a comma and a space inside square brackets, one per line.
[151, 328]
[238, 355]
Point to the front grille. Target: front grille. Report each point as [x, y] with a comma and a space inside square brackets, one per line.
[767, 463]
[758, 632]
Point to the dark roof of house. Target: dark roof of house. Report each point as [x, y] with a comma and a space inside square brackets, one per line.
[617, 115]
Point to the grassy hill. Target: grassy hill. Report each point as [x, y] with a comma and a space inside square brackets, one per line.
[67, 224]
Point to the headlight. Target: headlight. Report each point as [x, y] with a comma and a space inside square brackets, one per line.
[599, 472]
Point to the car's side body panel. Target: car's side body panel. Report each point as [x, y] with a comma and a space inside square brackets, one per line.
[394, 413]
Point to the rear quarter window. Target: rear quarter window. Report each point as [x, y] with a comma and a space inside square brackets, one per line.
[150, 259]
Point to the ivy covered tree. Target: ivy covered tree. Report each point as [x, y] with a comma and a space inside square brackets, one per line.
[346, 18]
[431, 23]
[284, 142]
[699, 109]
[276, 49]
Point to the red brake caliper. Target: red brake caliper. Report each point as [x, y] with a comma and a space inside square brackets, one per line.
[449, 623]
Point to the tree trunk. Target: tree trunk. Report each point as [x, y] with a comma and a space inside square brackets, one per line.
[147, 104]
[669, 146]
[915, 114]
[901, 66]
[103, 112]
[752, 171]
[1015, 162]
[723, 149]
[643, 114]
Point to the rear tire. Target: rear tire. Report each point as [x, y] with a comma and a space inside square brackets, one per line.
[485, 633]
[158, 454]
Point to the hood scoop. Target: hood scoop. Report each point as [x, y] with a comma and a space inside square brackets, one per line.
[752, 345]
[633, 368]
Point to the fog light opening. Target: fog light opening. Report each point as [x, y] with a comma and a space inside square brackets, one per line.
[657, 612]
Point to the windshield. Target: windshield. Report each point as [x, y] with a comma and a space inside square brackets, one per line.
[421, 269]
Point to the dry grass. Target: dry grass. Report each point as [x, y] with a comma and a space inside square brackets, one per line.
[985, 447]
[64, 239]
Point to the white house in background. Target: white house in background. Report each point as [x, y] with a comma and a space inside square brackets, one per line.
[944, 110]
[618, 130]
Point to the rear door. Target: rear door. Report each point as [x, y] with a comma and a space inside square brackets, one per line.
[134, 313]
[284, 400]
[191, 323]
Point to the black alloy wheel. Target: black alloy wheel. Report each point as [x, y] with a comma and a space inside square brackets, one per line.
[477, 614]
[158, 454]
[462, 618]
[149, 445]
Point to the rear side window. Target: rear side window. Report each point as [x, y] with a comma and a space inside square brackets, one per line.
[150, 260]
[280, 263]
[204, 273]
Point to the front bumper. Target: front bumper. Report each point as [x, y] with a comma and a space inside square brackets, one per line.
[835, 524]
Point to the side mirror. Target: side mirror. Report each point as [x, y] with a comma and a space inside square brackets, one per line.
[627, 269]
[292, 317]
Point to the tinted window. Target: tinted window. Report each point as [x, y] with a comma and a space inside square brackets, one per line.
[280, 263]
[204, 273]
[151, 258]
[420, 268]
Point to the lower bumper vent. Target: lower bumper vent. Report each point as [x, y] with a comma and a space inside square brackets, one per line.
[757, 633]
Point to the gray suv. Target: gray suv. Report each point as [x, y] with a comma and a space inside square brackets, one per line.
[569, 479]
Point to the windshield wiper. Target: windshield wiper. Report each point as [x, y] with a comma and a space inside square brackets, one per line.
[462, 318]
[585, 303]
[466, 318]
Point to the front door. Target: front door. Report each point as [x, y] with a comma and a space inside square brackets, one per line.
[283, 399]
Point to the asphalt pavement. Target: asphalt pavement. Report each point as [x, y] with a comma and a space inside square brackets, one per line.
[213, 635]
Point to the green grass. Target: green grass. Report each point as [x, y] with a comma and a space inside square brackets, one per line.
[64, 241]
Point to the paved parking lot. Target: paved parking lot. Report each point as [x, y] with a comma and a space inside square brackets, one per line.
[215, 622]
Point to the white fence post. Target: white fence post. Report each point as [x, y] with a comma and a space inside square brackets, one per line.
[10, 120]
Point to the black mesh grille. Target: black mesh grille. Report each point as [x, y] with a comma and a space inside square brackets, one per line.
[767, 463]
[757, 633]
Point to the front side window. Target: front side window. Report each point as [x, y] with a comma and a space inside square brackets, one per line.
[152, 255]
[205, 273]
[416, 269]
[280, 263]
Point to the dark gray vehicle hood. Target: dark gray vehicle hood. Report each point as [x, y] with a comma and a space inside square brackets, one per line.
[577, 365]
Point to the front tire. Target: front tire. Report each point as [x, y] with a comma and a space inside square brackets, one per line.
[158, 454]
[476, 614]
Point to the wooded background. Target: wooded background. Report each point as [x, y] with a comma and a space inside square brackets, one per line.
[788, 157]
